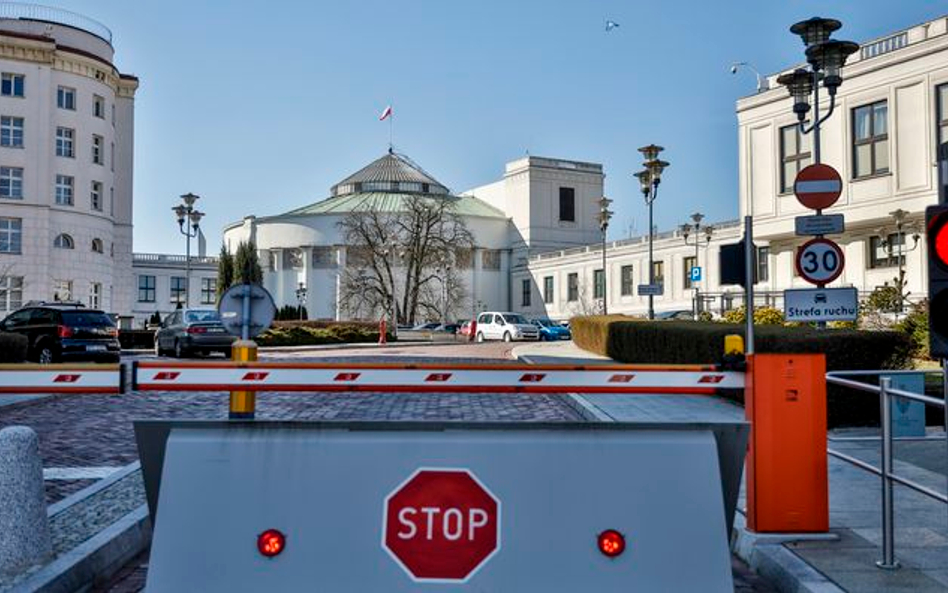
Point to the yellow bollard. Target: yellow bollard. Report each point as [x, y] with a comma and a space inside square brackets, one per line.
[733, 358]
[243, 403]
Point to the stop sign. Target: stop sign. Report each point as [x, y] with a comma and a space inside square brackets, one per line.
[441, 524]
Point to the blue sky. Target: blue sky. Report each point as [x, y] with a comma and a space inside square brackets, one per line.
[260, 107]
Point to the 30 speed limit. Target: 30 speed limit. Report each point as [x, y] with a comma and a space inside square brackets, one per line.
[820, 261]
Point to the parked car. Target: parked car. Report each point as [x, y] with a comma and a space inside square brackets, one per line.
[448, 328]
[60, 332]
[551, 331]
[681, 315]
[191, 331]
[505, 326]
[426, 326]
[465, 329]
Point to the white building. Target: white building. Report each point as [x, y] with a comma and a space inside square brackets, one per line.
[540, 204]
[66, 158]
[161, 284]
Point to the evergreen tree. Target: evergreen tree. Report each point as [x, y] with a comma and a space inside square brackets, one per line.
[247, 268]
[225, 272]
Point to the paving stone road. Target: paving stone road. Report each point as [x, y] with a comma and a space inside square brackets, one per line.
[92, 431]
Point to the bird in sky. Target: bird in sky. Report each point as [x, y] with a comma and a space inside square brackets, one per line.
[610, 25]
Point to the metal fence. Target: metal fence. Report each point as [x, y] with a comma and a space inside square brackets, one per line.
[48, 14]
[889, 478]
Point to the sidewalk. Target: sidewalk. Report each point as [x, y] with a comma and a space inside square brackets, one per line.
[846, 563]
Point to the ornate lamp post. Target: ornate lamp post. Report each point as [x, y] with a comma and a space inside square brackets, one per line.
[826, 58]
[649, 179]
[187, 212]
[686, 229]
[604, 216]
[300, 299]
[899, 216]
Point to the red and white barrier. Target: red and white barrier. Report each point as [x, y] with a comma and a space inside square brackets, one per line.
[158, 376]
[52, 378]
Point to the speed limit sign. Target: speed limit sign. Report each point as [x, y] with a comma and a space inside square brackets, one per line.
[820, 261]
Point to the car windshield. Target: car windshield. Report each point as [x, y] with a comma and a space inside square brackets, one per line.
[202, 317]
[514, 318]
[543, 322]
[86, 319]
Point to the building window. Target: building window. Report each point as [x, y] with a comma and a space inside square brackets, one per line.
[870, 139]
[626, 280]
[11, 85]
[11, 235]
[177, 289]
[64, 241]
[658, 273]
[567, 204]
[62, 290]
[687, 264]
[763, 264]
[98, 145]
[490, 259]
[11, 293]
[324, 257]
[146, 289]
[293, 259]
[208, 291]
[113, 115]
[66, 98]
[98, 246]
[572, 287]
[941, 115]
[64, 185]
[11, 131]
[525, 293]
[95, 295]
[112, 158]
[884, 252]
[64, 142]
[11, 183]
[794, 155]
[95, 196]
[463, 258]
[599, 284]
[98, 106]
[111, 201]
[548, 289]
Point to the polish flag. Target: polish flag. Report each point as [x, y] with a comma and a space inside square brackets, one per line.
[385, 114]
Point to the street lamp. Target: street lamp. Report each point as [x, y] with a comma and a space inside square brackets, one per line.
[187, 212]
[686, 229]
[899, 215]
[649, 179]
[826, 58]
[301, 299]
[604, 216]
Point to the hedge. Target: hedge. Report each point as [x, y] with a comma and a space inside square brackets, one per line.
[13, 347]
[689, 342]
[303, 333]
[137, 339]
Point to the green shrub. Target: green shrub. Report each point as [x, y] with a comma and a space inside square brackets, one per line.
[306, 333]
[13, 347]
[688, 342]
[762, 316]
[915, 327]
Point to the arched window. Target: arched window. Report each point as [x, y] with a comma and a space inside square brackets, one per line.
[64, 241]
[97, 246]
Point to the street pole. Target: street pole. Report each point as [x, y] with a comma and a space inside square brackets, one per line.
[187, 271]
[651, 263]
[748, 284]
[605, 292]
[816, 117]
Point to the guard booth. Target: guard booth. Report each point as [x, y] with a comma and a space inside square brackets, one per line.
[363, 506]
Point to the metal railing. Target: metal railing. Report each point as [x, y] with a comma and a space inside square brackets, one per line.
[48, 14]
[889, 478]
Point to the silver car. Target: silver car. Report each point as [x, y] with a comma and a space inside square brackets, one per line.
[192, 331]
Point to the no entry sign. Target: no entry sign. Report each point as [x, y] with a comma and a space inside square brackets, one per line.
[441, 525]
[820, 261]
[818, 186]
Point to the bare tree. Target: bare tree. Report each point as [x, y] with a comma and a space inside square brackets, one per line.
[411, 253]
[584, 303]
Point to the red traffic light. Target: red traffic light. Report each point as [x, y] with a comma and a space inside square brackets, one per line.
[271, 542]
[611, 543]
[940, 241]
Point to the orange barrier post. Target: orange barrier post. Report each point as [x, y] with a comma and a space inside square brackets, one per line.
[382, 337]
[785, 402]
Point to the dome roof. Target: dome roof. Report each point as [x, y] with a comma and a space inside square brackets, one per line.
[395, 173]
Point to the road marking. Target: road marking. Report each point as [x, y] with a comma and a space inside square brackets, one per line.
[78, 473]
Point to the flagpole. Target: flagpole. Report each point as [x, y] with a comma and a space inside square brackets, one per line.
[391, 125]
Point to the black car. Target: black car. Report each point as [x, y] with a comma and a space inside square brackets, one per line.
[192, 331]
[59, 332]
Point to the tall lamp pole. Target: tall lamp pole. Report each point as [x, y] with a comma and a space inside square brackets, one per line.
[899, 215]
[604, 216]
[686, 229]
[649, 179]
[187, 212]
[300, 299]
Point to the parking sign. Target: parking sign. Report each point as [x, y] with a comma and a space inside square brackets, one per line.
[696, 273]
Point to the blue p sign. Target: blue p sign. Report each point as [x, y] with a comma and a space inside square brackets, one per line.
[696, 274]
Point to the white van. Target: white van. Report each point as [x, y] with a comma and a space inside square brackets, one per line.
[505, 326]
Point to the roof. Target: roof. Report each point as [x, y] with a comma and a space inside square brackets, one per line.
[391, 172]
[394, 202]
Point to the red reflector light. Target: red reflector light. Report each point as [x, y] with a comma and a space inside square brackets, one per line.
[271, 542]
[196, 329]
[941, 244]
[611, 543]
[65, 331]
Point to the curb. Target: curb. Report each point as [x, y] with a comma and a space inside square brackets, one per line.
[779, 566]
[98, 558]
